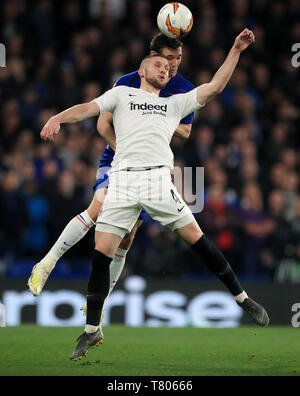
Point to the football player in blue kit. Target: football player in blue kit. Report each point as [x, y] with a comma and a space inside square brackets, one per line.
[77, 228]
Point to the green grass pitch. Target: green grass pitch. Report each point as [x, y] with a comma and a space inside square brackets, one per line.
[247, 351]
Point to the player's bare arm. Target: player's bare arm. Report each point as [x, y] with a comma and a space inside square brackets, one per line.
[76, 113]
[106, 129]
[183, 131]
[207, 92]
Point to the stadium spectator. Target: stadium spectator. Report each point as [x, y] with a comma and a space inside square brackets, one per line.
[36, 238]
[14, 216]
[278, 243]
[220, 218]
[295, 222]
[257, 227]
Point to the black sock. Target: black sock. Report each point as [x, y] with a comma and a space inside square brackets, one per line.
[217, 264]
[98, 287]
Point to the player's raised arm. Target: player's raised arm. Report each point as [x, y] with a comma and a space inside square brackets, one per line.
[73, 114]
[207, 92]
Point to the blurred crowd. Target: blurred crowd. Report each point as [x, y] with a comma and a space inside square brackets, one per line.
[60, 53]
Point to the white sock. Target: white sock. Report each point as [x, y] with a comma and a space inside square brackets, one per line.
[241, 297]
[74, 231]
[90, 328]
[116, 267]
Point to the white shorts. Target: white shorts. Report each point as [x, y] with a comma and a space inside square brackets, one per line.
[130, 192]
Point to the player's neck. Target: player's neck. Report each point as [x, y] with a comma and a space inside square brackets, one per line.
[145, 86]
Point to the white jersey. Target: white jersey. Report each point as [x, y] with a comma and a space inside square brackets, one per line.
[144, 124]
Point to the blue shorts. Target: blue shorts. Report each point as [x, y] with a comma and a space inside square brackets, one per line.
[103, 182]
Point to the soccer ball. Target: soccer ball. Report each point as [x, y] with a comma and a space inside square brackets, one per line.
[175, 20]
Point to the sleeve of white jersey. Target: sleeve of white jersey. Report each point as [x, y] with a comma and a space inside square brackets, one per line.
[107, 102]
[186, 103]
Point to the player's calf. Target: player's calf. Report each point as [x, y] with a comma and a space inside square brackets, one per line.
[98, 287]
[217, 264]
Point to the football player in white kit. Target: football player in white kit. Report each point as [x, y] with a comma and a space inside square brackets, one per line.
[140, 177]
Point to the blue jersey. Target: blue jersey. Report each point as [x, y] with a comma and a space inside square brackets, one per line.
[176, 85]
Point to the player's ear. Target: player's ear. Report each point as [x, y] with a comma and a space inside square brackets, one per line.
[153, 52]
[141, 72]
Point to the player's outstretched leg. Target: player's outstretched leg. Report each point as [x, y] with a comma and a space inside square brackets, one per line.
[75, 230]
[218, 265]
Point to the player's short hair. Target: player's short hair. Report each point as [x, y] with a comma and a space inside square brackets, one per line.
[161, 41]
[150, 57]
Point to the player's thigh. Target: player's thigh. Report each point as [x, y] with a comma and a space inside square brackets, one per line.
[121, 207]
[96, 204]
[191, 233]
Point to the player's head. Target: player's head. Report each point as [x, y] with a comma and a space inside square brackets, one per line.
[170, 48]
[154, 69]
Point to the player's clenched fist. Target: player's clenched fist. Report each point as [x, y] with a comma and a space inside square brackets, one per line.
[50, 129]
[244, 39]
